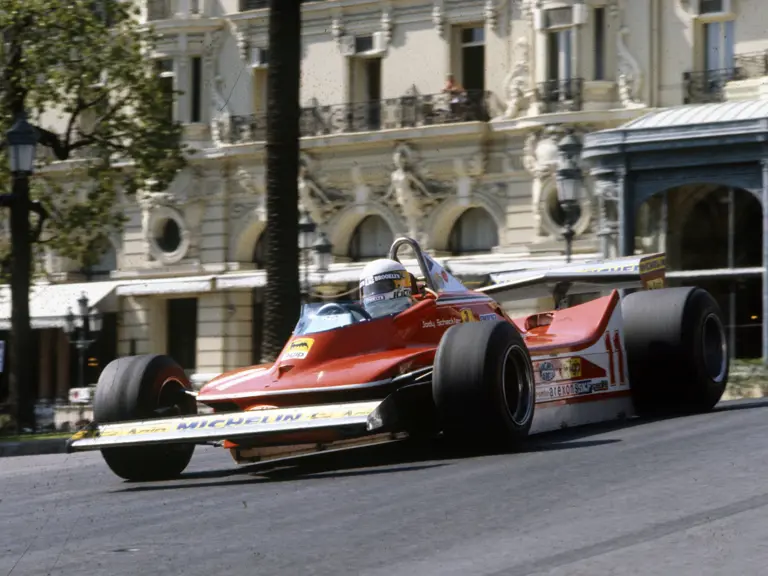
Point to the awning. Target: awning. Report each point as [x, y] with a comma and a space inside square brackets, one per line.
[49, 304]
[180, 285]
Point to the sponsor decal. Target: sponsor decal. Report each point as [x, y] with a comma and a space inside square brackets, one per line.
[570, 368]
[486, 317]
[570, 389]
[654, 264]
[299, 349]
[558, 369]
[467, 315]
[214, 422]
[547, 371]
[654, 284]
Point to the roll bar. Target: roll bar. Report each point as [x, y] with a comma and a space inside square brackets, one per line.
[419, 257]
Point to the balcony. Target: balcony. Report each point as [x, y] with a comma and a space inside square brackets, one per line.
[404, 112]
[707, 86]
[246, 5]
[564, 95]
[169, 9]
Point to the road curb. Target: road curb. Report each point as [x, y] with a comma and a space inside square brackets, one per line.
[33, 447]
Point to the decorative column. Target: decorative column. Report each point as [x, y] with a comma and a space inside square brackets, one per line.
[181, 80]
[626, 215]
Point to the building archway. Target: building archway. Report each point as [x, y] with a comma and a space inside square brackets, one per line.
[371, 239]
[714, 241]
[475, 231]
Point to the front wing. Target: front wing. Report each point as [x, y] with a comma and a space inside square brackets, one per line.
[352, 418]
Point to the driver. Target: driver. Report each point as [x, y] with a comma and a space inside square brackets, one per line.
[385, 288]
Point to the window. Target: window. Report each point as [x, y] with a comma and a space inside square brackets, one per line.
[196, 89]
[371, 239]
[259, 256]
[165, 70]
[559, 54]
[182, 332]
[719, 45]
[710, 6]
[363, 44]
[473, 58]
[475, 231]
[599, 23]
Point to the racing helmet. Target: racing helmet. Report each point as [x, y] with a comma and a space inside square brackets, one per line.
[385, 287]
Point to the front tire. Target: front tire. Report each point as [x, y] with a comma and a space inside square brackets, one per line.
[143, 388]
[483, 385]
[677, 352]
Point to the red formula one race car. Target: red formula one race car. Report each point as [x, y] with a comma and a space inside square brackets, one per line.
[452, 363]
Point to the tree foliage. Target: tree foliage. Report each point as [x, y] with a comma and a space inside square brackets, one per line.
[81, 69]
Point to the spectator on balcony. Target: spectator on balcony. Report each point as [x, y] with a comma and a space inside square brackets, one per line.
[455, 92]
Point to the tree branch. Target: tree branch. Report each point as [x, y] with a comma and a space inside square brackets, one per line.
[52, 141]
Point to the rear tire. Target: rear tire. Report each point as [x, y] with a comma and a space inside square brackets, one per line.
[677, 352]
[137, 388]
[483, 386]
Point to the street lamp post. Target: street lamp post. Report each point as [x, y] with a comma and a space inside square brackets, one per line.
[322, 249]
[22, 142]
[569, 185]
[307, 229]
[82, 330]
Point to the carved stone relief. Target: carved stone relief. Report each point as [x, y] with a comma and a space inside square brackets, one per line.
[182, 205]
[409, 194]
[629, 75]
[491, 14]
[321, 203]
[519, 89]
[438, 17]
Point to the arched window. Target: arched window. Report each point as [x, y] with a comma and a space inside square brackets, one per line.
[258, 258]
[475, 231]
[371, 239]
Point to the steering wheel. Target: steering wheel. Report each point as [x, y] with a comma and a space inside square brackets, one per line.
[324, 309]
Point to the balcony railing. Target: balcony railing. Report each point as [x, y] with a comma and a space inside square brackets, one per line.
[404, 112]
[565, 95]
[709, 85]
[260, 4]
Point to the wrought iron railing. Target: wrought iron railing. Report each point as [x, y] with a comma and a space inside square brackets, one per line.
[563, 95]
[707, 85]
[404, 112]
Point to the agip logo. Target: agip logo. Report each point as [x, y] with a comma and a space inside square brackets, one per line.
[299, 349]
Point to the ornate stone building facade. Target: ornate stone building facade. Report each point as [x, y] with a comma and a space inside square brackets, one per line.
[391, 145]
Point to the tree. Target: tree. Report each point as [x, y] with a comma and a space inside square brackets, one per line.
[86, 64]
[282, 294]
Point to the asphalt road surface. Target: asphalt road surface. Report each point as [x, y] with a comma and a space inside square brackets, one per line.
[681, 496]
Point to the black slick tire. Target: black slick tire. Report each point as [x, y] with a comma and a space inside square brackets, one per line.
[676, 350]
[139, 388]
[483, 386]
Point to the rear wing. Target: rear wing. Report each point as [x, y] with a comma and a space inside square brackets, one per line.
[646, 272]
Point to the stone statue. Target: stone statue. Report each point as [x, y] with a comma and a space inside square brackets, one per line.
[517, 81]
[629, 75]
[409, 192]
[312, 198]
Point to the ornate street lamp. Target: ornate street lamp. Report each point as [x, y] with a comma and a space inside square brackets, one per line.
[82, 330]
[569, 185]
[322, 248]
[307, 229]
[22, 142]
